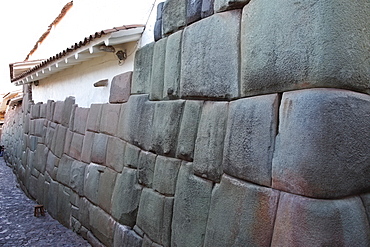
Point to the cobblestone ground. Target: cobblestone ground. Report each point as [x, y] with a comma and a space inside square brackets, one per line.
[18, 226]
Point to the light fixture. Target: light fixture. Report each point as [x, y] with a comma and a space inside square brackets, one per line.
[121, 55]
[107, 48]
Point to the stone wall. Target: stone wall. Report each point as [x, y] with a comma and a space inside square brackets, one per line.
[247, 125]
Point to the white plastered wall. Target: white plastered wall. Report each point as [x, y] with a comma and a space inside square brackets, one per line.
[78, 80]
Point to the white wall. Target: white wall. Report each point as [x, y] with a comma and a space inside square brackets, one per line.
[78, 81]
[85, 18]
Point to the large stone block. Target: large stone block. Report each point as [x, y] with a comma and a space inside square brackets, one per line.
[126, 197]
[77, 176]
[172, 70]
[158, 27]
[64, 170]
[223, 5]
[302, 221]
[102, 225]
[120, 88]
[210, 57]
[165, 175]
[241, 214]
[146, 168]
[294, 45]
[50, 110]
[136, 121]
[366, 200]
[209, 144]
[87, 147]
[154, 216]
[69, 103]
[63, 206]
[323, 149]
[131, 158]
[115, 153]
[141, 77]
[76, 146]
[107, 181]
[67, 142]
[250, 138]
[173, 16]
[109, 118]
[193, 11]
[52, 199]
[188, 130]
[124, 236]
[93, 120]
[80, 120]
[52, 162]
[35, 111]
[40, 158]
[157, 77]
[191, 206]
[99, 148]
[58, 140]
[166, 126]
[43, 110]
[91, 183]
[207, 8]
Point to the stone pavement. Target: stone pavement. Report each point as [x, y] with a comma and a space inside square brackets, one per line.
[18, 226]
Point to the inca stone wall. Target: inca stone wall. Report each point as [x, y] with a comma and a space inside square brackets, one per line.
[247, 125]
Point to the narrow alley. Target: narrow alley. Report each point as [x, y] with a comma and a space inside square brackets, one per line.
[19, 227]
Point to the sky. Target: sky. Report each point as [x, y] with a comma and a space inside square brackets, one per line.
[22, 22]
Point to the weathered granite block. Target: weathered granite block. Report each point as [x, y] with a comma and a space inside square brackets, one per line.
[115, 153]
[67, 110]
[142, 69]
[39, 127]
[93, 240]
[146, 168]
[80, 120]
[87, 146]
[158, 29]
[91, 183]
[26, 124]
[58, 139]
[35, 111]
[67, 142]
[136, 121]
[126, 197]
[209, 144]
[109, 118]
[191, 206]
[323, 149]
[120, 88]
[50, 110]
[153, 216]
[193, 11]
[40, 189]
[302, 221]
[172, 70]
[131, 156]
[102, 225]
[224, 5]
[93, 120]
[77, 177]
[76, 146]
[51, 199]
[64, 170]
[107, 181]
[296, 45]
[43, 110]
[207, 8]
[157, 77]
[165, 175]
[124, 236]
[40, 157]
[32, 142]
[99, 148]
[32, 187]
[52, 161]
[84, 215]
[173, 16]
[250, 138]
[63, 206]
[72, 117]
[188, 130]
[166, 126]
[210, 57]
[237, 205]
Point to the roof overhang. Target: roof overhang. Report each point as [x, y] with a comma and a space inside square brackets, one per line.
[78, 53]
